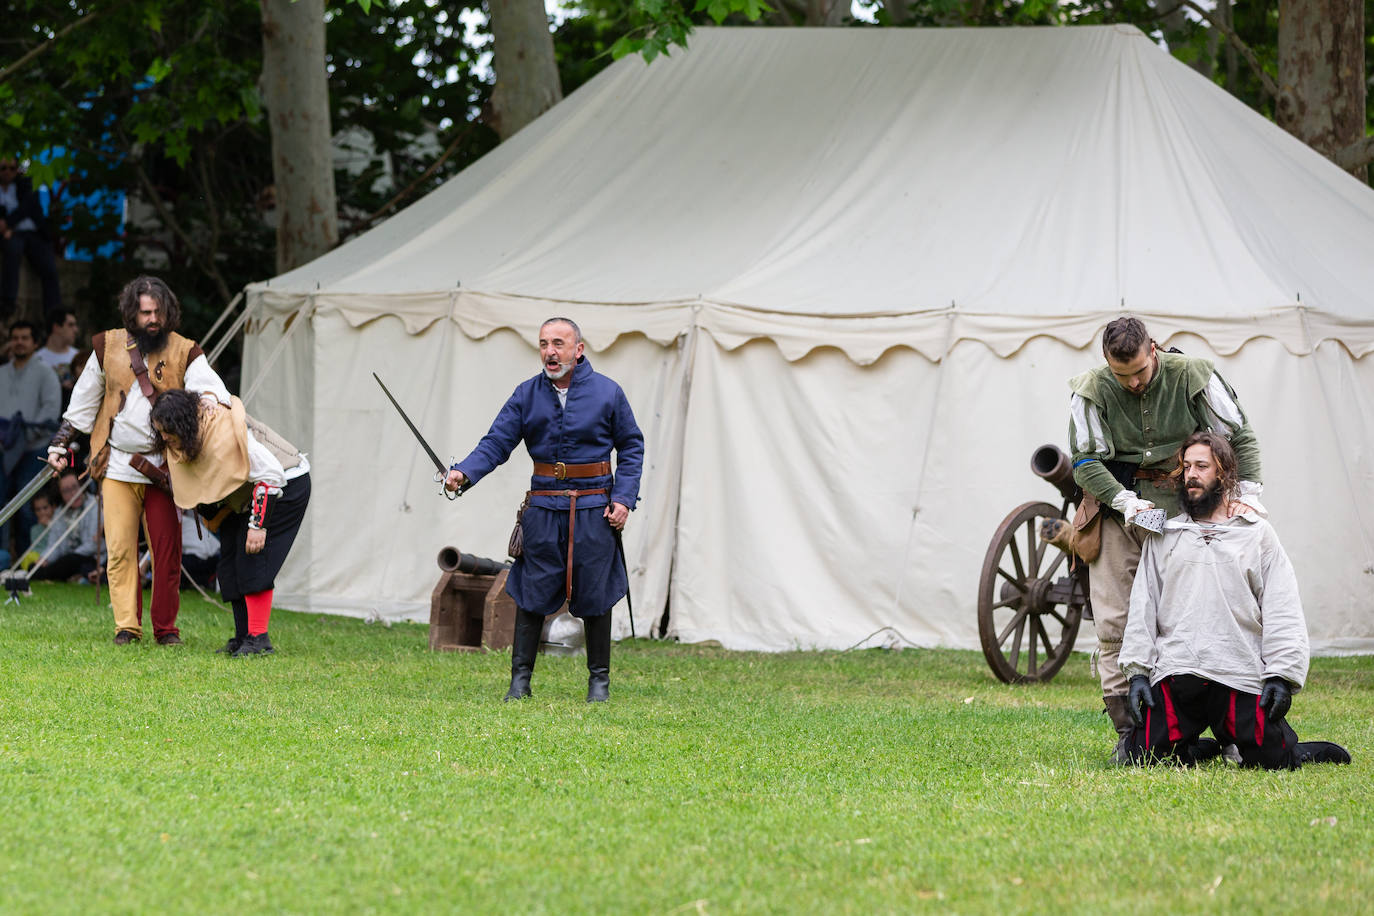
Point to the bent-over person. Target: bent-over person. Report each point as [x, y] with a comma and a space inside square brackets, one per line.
[570, 419]
[252, 487]
[1216, 636]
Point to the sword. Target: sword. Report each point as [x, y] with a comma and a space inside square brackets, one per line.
[33, 486]
[442, 471]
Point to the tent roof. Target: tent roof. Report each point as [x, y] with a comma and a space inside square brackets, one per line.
[862, 187]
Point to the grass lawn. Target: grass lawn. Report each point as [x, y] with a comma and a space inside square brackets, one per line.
[356, 771]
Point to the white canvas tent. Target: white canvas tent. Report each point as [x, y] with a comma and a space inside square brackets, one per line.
[843, 276]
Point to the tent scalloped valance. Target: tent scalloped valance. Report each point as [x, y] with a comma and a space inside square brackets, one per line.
[863, 338]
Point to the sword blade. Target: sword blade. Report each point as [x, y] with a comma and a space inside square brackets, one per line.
[419, 438]
[24, 495]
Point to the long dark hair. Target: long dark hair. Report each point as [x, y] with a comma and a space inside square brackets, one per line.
[160, 292]
[178, 411]
[1228, 475]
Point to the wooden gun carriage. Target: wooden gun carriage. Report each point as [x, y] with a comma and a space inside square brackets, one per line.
[1032, 595]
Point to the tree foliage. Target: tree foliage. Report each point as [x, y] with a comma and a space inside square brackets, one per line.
[160, 97]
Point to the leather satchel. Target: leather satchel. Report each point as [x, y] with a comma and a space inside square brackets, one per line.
[1086, 540]
[516, 548]
[1081, 537]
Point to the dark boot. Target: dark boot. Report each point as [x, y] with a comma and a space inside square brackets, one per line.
[598, 632]
[254, 645]
[524, 647]
[1321, 752]
[1120, 715]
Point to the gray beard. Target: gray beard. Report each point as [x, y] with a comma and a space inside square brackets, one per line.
[563, 370]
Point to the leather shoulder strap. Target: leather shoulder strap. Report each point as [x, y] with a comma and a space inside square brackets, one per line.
[145, 384]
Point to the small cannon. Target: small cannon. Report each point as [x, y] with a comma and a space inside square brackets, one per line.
[1032, 595]
[469, 609]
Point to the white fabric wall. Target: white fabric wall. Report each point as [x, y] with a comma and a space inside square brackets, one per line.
[842, 356]
[796, 527]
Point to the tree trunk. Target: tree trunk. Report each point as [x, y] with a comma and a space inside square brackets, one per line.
[1321, 73]
[826, 12]
[296, 94]
[522, 57]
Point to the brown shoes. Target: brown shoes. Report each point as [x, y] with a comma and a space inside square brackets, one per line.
[124, 637]
[169, 639]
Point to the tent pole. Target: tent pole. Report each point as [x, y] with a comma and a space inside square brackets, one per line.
[233, 329]
[297, 318]
[223, 315]
[925, 458]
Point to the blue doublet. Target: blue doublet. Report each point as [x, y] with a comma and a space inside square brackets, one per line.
[596, 421]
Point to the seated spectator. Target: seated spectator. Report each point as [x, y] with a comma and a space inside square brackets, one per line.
[30, 402]
[78, 551]
[59, 349]
[43, 507]
[199, 552]
[24, 233]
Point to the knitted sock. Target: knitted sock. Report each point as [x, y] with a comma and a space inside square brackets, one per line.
[259, 611]
[240, 618]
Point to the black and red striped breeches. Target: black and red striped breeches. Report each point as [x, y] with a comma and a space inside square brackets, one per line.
[1187, 705]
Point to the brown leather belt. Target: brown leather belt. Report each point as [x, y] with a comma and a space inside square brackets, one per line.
[158, 475]
[560, 471]
[572, 513]
[1155, 474]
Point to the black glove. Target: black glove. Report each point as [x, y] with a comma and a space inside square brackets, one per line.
[1139, 694]
[1276, 698]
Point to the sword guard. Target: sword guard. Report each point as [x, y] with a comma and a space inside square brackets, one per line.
[441, 476]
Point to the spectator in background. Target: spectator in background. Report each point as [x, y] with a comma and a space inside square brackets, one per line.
[59, 349]
[78, 553]
[30, 402]
[24, 232]
[43, 506]
[199, 552]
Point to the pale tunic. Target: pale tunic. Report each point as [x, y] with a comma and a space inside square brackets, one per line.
[1217, 602]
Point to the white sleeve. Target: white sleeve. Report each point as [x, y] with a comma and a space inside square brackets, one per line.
[87, 394]
[1223, 412]
[204, 380]
[263, 466]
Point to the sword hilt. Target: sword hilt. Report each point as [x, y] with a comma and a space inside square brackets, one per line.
[441, 476]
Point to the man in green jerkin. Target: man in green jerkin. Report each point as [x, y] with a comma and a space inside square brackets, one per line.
[1127, 420]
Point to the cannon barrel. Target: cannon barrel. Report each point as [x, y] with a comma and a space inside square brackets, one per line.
[451, 559]
[1050, 462]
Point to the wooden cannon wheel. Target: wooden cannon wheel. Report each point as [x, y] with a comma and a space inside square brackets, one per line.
[1030, 602]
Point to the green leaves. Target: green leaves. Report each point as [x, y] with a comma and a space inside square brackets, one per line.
[159, 69]
[661, 25]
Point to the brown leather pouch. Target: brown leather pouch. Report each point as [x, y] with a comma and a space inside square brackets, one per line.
[99, 463]
[516, 547]
[1087, 528]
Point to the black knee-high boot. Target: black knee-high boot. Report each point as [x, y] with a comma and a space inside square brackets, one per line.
[524, 647]
[598, 633]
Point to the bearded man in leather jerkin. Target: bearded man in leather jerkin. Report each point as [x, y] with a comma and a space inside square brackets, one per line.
[112, 402]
